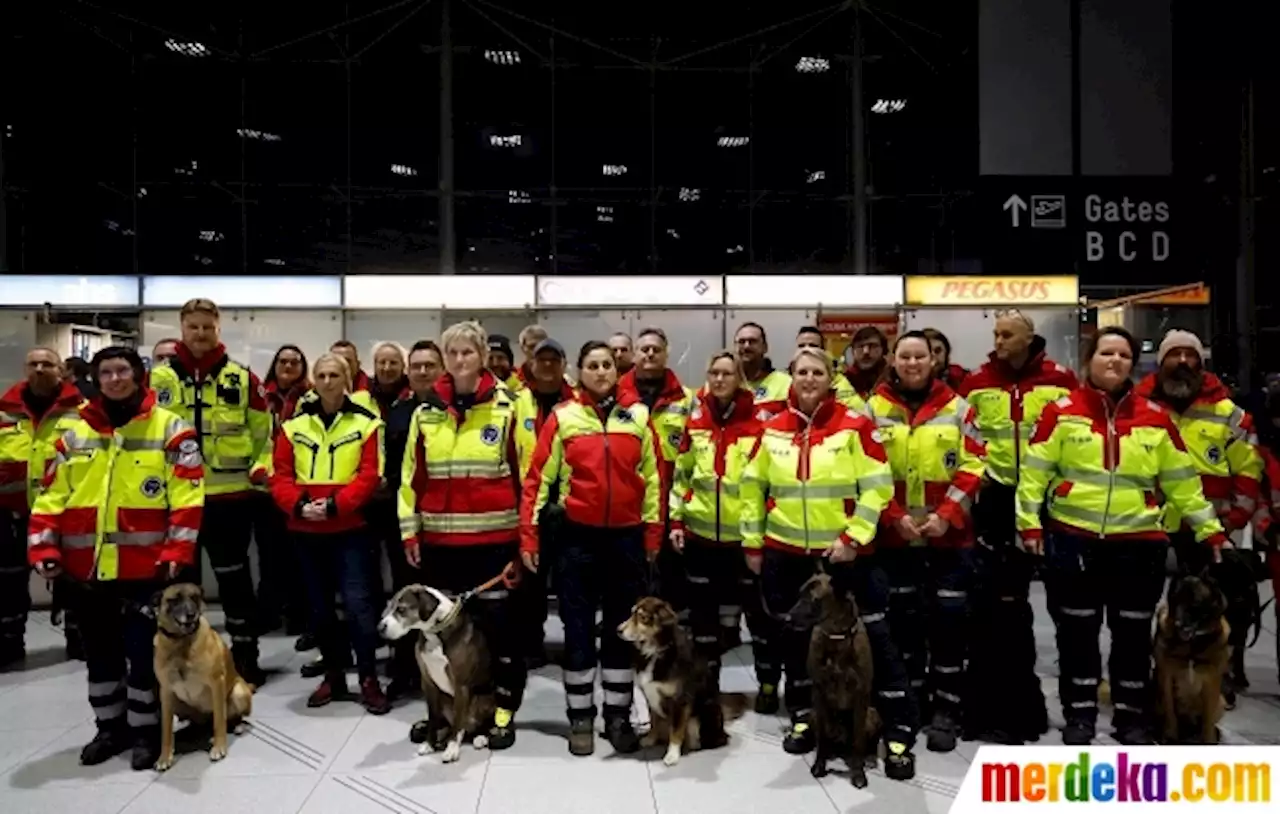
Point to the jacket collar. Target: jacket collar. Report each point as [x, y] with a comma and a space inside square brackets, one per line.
[443, 392]
[1101, 404]
[742, 408]
[1212, 390]
[939, 395]
[67, 398]
[672, 390]
[200, 368]
[826, 410]
[95, 414]
[313, 407]
[1035, 360]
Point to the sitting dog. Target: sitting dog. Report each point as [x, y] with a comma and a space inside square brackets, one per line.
[1192, 655]
[196, 675]
[683, 708]
[453, 657]
[841, 669]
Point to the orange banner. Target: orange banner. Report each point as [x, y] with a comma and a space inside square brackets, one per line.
[980, 291]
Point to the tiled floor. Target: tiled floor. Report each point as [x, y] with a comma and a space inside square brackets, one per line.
[338, 760]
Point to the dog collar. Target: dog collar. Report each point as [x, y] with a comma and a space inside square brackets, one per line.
[171, 635]
[446, 621]
[845, 635]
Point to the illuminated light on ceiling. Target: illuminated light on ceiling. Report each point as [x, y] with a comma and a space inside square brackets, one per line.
[614, 169]
[889, 106]
[814, 176]
[505, 141]
[518, 196]
[142, 192]
[112, 226]
[256, 135]
[274, 261]
[8, 130]
[202, 260]
[813, 65]
[674, 233]
[402, 169]
[604, 214]
[502, 57]
[187, 49]
[690, 194]
[734, 249]
[733, 141]
[210, 236]
[186, 170]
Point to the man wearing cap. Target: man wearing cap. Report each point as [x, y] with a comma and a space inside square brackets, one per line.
[1221, 441]
[546, 388]
[502, 362]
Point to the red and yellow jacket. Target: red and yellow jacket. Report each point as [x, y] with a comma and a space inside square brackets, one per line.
[669, 415]
[937, 460]
[954, 376]
[708, 469]
[1223, 447]
[117, 502]
[1099, 468]
[27, 441]
[606, 465]
[771, 391]
[531, 417]
[460, 480]
[282, 404]
[1008, 401]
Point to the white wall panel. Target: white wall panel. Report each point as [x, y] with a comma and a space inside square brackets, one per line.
[970, 331]
[367, 328]
[17, 336]
[693, 337]
[506, 323]
[253, 336]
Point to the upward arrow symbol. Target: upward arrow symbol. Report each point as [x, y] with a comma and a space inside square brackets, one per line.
[1014, 206]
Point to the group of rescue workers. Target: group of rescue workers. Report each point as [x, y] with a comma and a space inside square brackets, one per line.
[934, 495]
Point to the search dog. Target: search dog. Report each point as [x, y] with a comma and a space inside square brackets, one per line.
[1192, 655]
[196, 675]
[454, 659]
[683, 707]
[841, 669]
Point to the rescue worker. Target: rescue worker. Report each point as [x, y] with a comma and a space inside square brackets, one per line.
[280, 592]
[534, 404]
[529, 338]
[768, 386]
[812, 495]
[389, 381]
[226, 404]
[360, 382]
[426, 364]
[705, 525]
[458, 500]
[926, 534]
[34, 414]
[118, 516]
[502, 361]
[811, 337]
[943, 367]
[76, 371]
[620, 344]
[601, 451]
[327, 463]
[163, 351]
[668, 401]
[1008, 393]
[1224, 449]
[1096, 463]
[870, 349]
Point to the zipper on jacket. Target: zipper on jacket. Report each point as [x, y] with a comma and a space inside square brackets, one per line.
[608, 473]
[1015, 408]
[1111, 462]
[724, 468]
[197, 413]
[804, 483]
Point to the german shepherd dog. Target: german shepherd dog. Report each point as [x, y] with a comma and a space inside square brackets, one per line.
[684, 709]
[454, 659]
[196, 675]
[841, 669]
[1192, 656]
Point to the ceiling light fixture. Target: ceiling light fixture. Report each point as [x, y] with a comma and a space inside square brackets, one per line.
[210, 236]
[274, 261]
[256, 135]
[401, 169]
[815, 176]
[690, 194]
[502, 57]
[889, 106]
[813, 65]
[733, 141]
[518, 196]
[187, 49]
[604, 214]
[614, 169]
[506, 141]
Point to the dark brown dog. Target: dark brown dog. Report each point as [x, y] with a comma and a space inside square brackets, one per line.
[453, 656]
[677, 684]
[841, 669]
[196, 675]
[1192, 655]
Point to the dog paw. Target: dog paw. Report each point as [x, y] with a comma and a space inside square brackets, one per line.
[480, 741]
[240, 729]
[424, 749]
[451, 752]
[672, 757]
[819, 769]
[858, 778]
[217, 753]
[164, 764]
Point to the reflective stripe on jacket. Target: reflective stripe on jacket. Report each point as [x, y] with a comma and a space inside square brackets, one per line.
[1008, 402]
[936, 456]
[669, 414]
[27, 441]
[460, 484]
[606, 467]
[1102, 468]
[770, 392]
[341, 464]
[1223, 447]
[227, 405]
[708, 470]
[119, 502]
[529, 421]
[813, 481]
[845, 394]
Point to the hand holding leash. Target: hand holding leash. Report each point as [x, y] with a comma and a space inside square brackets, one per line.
[49, 569]
[413, 553]
[842, 552]
[677, 540]
[934, 526]
[1031, 545]
[530, 560]
[906, 526]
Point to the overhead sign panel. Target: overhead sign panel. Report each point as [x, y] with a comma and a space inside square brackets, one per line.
[993, 291]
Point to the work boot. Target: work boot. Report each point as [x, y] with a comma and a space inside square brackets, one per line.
[334, 687]
[111, 740]
[305, 642]
[899, 763]
[246, 660]
[621, 736]
[800, 740]
[502, 735]
[942, 733]
[767, 700]
[372, 697]
[146, 748]
[582, 737]
[1133, 735]
[1078, 733]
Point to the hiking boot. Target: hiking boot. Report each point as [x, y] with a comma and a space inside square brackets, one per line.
[1133, 735]
[146, 749]
[1078, 733]
[767, 700]
[305, 642]
[109, 742]
[899, 763]
[334, 687]
[582, 737]
[502, 735]
[372, 698]
[800, 740]
[621, 736]
[942, 733]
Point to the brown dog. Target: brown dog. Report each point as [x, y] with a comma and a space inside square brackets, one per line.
[841, 669]
[196, 675]
[1192, 656]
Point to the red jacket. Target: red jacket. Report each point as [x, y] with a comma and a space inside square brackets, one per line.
[864, 381]
[346, 500]
[1039, 371]
[672, 392]
[954, 376]
[284, 403]
[740, 422]
[67, 400]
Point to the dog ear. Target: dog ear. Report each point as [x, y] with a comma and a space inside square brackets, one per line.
[155, 601]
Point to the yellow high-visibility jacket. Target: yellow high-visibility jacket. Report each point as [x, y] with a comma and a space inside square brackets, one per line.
[708, 470]
[1103, 467]
[771, 391]
[845, 394]
[814, 481]
[529, 421]
[26, 443]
